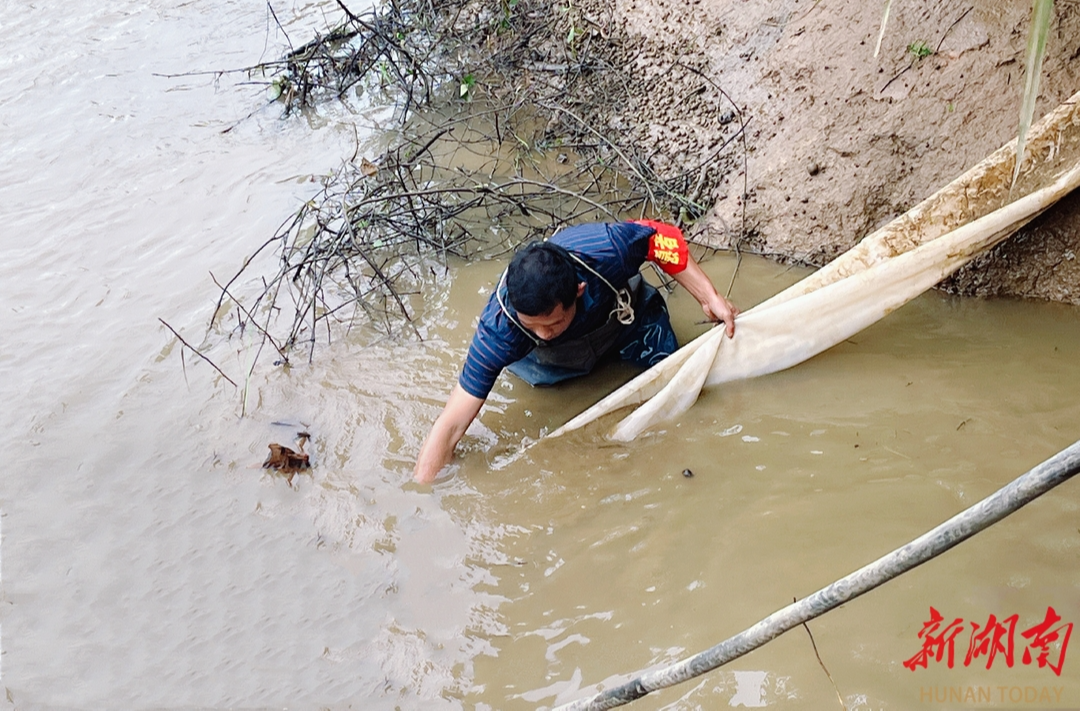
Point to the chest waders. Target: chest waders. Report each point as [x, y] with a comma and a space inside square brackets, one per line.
[548, 364]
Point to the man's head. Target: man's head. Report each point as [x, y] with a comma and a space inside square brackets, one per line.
[542, 284]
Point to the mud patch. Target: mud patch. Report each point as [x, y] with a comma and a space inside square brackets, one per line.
[841, 142]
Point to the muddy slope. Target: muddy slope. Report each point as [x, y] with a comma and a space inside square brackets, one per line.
[841, 142]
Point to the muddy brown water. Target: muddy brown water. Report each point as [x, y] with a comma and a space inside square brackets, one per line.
[147, 562]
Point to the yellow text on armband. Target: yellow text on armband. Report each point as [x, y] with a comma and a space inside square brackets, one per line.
[666, 256]
[662, 242]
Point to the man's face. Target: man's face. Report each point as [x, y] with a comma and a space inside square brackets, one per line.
[550, 326]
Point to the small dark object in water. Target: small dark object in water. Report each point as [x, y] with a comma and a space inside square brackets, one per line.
[286, 460]
[687, 473]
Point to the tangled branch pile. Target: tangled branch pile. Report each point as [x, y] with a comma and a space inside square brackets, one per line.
[394, 44]
[506, 136]
[376, 231]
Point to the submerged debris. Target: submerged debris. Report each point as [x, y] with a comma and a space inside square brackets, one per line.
[286, 461]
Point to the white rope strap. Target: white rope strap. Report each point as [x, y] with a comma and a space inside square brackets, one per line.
[506, 311]
[624, 303]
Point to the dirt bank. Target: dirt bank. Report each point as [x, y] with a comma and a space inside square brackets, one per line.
[694, 103]
[840, 142]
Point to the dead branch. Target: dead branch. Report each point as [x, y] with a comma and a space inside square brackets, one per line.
[195, 350]
[504, 134]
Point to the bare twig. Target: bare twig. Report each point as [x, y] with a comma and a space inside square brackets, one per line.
[251, 320]
[813, 644]
[369, 237]
[278, 23]
[950, 28]
[195, 350]
[915, 60]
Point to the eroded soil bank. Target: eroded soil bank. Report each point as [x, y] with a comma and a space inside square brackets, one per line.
[839, 142]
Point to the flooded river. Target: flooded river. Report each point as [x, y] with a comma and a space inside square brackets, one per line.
[149, 563]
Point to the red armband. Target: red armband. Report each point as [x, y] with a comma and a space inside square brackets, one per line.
[667, 248]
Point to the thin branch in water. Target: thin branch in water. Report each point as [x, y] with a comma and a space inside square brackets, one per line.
[196, 352]
[251, 319]
[813, 644]
[278, 22]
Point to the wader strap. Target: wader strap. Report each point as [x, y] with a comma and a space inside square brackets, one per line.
[582, 353]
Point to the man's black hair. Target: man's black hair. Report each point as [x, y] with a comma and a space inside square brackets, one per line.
[540, 276]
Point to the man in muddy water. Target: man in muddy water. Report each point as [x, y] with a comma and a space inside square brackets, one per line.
[564, 304]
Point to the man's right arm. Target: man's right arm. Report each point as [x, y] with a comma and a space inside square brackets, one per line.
[438, 449]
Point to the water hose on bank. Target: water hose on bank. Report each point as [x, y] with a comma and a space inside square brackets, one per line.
[959, 528]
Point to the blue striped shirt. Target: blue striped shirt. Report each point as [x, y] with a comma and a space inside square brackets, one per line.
[615, 251]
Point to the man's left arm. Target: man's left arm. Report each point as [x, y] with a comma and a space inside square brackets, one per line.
[716, 307]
